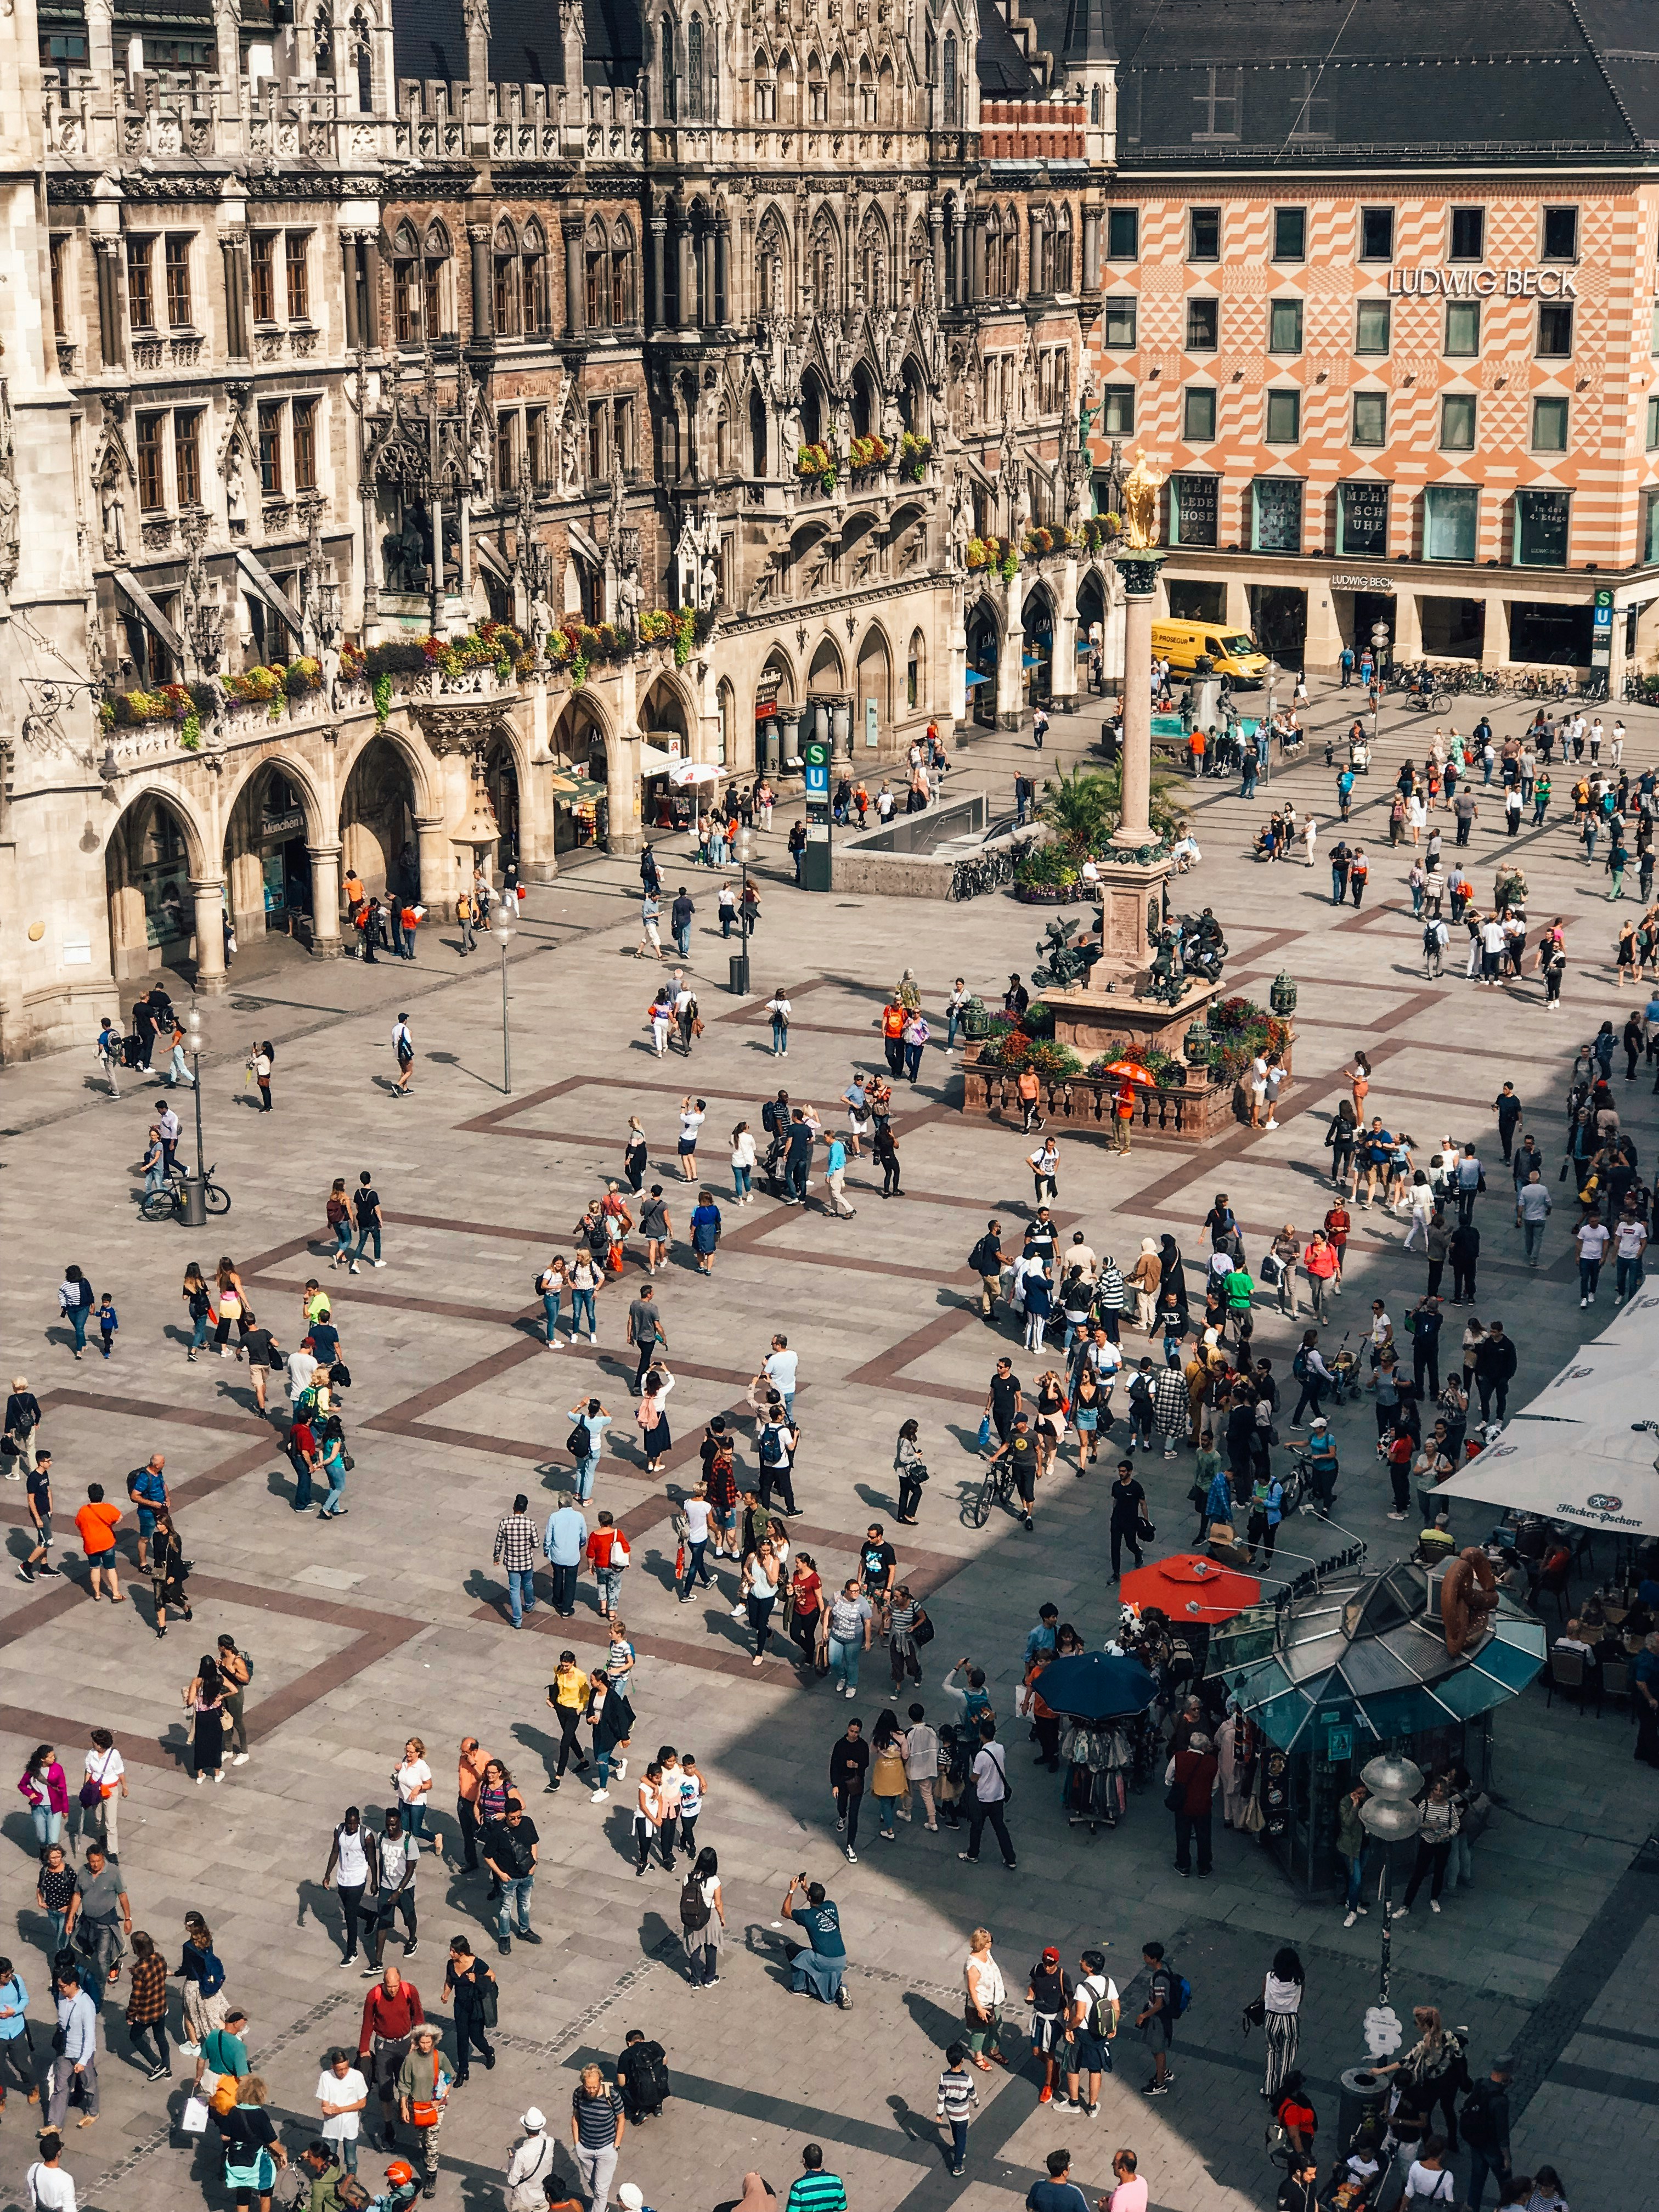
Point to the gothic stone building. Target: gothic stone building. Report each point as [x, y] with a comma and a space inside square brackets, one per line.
[727, 352]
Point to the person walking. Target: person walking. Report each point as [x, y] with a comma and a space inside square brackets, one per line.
[1282, 1991]
[73, 2072]
[989, 1777]
[403, 1045]
[597, 2124]
[958, 2098]
[849, 1763]
[510, 1847]
[986, 1994]
[1190, 1780]
[515, 1550]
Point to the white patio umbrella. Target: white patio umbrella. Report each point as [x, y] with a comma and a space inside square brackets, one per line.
[1598, 1472]
[685, 771]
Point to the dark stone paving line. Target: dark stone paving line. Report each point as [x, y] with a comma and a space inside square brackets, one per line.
[1594, 1961]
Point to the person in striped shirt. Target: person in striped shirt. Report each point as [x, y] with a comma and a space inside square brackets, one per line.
[813, 2189]
[958, 2097]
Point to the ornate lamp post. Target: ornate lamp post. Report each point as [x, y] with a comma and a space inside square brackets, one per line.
[1282, 996]
[195, 1185]
[1390, 1815]
[502, 930]
[739, 979]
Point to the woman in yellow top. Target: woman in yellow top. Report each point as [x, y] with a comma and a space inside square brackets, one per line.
[888, 1781]
[568, 1695]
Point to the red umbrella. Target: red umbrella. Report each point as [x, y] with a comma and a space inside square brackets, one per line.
[1132, 1071]
[1190, 1587]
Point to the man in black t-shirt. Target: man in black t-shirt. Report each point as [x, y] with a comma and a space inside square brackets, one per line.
[39, 1505]
[1048, 1993]
[366, 1204]
[1021, 1452]
[1003, 1400]
[509, 1852]
[877, 1562]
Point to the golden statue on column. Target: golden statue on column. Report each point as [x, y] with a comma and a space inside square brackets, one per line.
[1139, 505]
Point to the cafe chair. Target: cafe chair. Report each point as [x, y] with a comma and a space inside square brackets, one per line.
[1554, 1584]
[1614, 1684]
[1566, 1672]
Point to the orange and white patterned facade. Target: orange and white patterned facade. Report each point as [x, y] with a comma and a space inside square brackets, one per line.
[1427, 399]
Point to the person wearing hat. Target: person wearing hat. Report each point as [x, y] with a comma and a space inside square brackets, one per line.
[632, 2196]
[405, 2187]
[1048, 1993]
[530, 2166]
[1485, 2121]
[422, 2092]
[1322, 1464]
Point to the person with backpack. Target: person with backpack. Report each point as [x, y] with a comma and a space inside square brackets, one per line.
[1167, 1995]
[703, 1919]
[642, 2076]
[1312, 1377]
[1094, 2015]
[403, 1043]
[1486, 2123]
[776, 1447]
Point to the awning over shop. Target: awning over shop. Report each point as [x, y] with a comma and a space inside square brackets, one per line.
[131, 589]
[575, 790]
[974, 677]
[269, 590]
[653, 761]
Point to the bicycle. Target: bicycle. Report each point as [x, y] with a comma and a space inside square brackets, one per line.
[995, 1489]
[167, 1204]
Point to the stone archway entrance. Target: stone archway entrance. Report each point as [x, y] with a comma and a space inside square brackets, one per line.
[267, 862]
[984, 649]
[378, 832]
[152, 912]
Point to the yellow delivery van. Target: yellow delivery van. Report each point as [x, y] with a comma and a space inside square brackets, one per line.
[1234, 654]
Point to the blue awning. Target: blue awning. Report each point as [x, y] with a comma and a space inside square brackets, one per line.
[974, 677]
[1032, 660]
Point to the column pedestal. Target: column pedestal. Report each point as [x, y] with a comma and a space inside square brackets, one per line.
[439, 874]
[209, 899]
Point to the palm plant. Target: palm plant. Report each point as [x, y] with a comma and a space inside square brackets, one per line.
[1084, 808]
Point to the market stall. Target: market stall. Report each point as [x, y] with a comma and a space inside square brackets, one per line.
[1098, 1698]
[1411, 1660]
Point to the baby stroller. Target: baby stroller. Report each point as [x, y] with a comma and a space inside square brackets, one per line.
[1345, 1374]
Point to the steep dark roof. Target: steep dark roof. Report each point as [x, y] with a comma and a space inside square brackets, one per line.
[1537, 79]
[1003, 72]
[429, 40]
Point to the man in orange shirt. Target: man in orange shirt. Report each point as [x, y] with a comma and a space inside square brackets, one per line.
[1030, 1094]
[473, 1760]
[1123, 1113]
[96, 1522]
[893, 1018]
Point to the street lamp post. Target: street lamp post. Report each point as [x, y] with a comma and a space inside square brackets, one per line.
[1390, 1815]
[740, 961]
[195, 1185]
[1379, 646]
[502, 930]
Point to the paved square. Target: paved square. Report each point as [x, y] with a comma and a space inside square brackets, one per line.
[394, 1621]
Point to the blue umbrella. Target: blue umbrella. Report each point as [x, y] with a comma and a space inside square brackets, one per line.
[1094, 1685]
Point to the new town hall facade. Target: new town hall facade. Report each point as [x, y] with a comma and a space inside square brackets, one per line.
[425, 426]
[427, 422]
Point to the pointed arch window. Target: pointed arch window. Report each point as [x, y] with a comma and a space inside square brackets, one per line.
[951, 115]
[671, 107]
[538, 308]
[362, 62]
[694, 85]
[509, 299]
[322, 43]
[622, 274]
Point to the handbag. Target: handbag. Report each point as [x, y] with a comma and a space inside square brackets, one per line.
[193, 2120]
[923, 1632]
[1174, 1798]
[1144, 1532]
[223, 2098]
[1255, 2015]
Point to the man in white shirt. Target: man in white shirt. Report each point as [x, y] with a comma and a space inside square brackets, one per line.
[1630, 1241]
[990, 1777]
[779, 1368]
[1094, 2021]
[1591, 1237]
[51, 2189]
[301, 1366]
[341, 2093]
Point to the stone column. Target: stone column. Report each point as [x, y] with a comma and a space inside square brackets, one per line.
[977, 287]
[110, 349]
[439, 874]
[705, 250]
[483, 302]
[621, 776]
[1010, 669]
[1034, 264]
[1090, 277]
[1063, 666]
[209, 899]
[574, 288]
[325, 901]
[370, 315]
[936, 254]
[349, 275]
[959, 271]
[722, 305]
[659, 238]
[1139, 572]
[232, 251]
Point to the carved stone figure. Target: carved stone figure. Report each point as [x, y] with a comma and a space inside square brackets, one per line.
[10, 508]
[541, 627]
[114, 511]
[1139, 506]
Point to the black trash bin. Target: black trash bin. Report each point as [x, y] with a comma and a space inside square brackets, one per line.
[739, 961]
[1362, 2116]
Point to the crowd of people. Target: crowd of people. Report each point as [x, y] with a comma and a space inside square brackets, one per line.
[1161, 1345]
